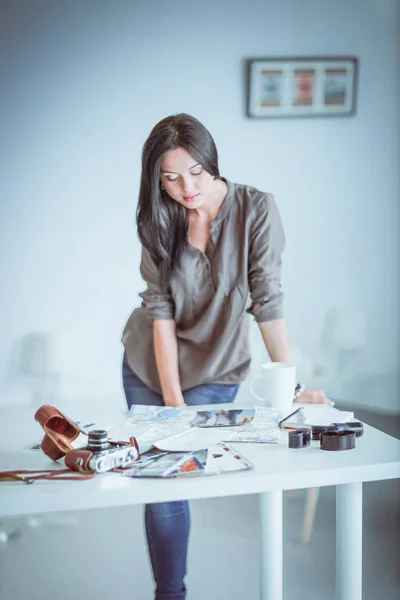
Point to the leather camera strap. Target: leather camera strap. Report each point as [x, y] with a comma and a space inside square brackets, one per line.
[30, 476]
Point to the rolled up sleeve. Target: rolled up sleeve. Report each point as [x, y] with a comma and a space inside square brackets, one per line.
[158, 304]
[266, 246]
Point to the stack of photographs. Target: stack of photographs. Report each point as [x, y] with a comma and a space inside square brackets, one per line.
[220, 458]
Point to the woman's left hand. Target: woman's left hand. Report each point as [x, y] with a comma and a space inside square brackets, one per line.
[314, 397]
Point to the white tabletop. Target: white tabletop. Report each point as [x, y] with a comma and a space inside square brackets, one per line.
[277, 467]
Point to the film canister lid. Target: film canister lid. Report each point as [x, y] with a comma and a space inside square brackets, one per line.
[299, 438]
[338, 440]
[355, 426]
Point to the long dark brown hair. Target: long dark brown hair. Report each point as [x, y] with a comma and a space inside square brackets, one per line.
[161, 221]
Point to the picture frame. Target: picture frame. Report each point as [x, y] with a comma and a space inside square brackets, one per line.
[302, 87]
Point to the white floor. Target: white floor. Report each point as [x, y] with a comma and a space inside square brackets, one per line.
[103, 554]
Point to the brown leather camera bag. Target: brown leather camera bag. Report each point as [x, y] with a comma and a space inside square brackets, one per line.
[61, 434]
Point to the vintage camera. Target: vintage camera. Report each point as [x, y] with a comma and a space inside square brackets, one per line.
[93, 453]
[102, 454]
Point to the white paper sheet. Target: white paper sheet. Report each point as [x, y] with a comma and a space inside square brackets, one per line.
[317, 414]
[192, 439]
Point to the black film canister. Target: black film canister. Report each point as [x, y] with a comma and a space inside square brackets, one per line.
[298, 439]
[316, 431]
[355, 426]
[338, 440]
[306, 435]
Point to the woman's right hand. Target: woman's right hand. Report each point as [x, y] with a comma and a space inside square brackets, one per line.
[314, 397]
[175, 401]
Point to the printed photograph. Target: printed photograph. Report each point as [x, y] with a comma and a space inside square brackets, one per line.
[223, 418]
[271, 88]
[303, 87]
[336, 84]
[161, 464]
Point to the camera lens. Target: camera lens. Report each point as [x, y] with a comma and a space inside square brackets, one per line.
[98, 440]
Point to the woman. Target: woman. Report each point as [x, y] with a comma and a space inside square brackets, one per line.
[206, 244]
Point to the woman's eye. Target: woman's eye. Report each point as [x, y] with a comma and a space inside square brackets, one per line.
[171, 178]
[197, 171]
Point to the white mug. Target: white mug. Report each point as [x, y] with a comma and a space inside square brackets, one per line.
[279, 382]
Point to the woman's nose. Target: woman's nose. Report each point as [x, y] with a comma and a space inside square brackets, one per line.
[187, 185]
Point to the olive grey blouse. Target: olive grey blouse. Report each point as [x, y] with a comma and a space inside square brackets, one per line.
[209, 294]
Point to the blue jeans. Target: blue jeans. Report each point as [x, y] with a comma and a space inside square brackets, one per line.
[168, 523]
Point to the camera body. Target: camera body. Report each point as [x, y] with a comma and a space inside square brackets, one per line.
[101, 454]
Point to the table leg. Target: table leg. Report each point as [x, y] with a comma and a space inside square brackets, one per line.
[271, 545]
[309, 515]
[349, 541]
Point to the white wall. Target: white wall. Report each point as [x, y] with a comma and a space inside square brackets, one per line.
[85, 81]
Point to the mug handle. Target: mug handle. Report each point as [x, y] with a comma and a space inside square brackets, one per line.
[252, 380]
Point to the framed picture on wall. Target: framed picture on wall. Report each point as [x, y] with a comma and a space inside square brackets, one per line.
[301, 87]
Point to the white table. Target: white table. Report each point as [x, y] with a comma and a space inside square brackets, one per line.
[278, 468]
